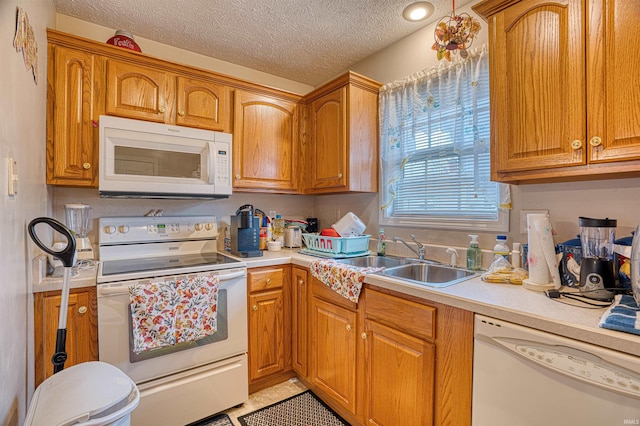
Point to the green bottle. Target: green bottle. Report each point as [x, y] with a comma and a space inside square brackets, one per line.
[474, 254]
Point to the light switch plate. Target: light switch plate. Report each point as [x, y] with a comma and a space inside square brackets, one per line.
[12, 178]
[523, 218]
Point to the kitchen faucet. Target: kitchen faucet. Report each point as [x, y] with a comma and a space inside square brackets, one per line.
[419, 252]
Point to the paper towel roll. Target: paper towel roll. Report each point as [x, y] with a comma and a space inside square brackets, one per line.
[541, 256]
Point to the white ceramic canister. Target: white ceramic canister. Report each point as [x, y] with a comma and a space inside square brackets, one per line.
[292, 236]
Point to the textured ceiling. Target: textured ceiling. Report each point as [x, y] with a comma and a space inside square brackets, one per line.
[308, 41]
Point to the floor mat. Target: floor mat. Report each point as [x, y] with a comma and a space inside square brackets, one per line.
[219, 420]
[304, 409]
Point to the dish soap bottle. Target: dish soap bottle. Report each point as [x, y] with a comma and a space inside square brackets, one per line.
[474, 254]
[382, 246]
[501, 248]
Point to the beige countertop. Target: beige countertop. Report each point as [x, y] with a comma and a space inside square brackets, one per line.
[502, 301]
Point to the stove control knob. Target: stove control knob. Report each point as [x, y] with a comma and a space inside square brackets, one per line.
[198, 227]
[123, 229]
[208, 226]
[110, 229]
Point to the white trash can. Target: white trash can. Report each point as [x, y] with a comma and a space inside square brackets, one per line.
[88, 394]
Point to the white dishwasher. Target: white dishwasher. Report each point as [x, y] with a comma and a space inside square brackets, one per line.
[525, 377]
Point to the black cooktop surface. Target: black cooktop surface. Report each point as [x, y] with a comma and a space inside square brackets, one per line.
[126, 266]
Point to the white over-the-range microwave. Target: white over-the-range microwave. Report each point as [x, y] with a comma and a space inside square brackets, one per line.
[140, 159]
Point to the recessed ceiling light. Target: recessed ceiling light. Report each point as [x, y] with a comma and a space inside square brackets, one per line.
[417, 11]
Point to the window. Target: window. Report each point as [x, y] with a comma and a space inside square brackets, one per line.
[435, 157]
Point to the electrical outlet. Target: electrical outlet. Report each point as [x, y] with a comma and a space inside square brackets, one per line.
[12, 166]
[523, 218]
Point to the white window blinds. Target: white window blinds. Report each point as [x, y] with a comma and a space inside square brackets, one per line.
[435, 157]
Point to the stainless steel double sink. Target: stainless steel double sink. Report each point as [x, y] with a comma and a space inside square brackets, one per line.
[422, 272]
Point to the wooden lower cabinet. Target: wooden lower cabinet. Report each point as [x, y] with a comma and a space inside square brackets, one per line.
[399, 378]
[333, 352]
[390, 359]
[269, 322]
[299, 320]
[82, 329]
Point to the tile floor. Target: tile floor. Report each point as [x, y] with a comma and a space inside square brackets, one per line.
[267, 397]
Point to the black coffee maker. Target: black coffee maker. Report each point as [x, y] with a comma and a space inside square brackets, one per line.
[245, 232]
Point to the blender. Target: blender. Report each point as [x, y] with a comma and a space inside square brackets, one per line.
[78, 217]
[596, 268]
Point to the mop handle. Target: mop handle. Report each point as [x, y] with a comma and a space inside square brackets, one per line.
[68, 257]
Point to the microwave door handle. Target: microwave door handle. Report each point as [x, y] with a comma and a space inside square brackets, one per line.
[211, 149]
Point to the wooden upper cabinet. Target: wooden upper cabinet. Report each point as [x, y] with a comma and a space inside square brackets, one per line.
[202, 104]
[265, 144]
[329, 147]
[134, 91]
[562, 107]
[341, 146]
[72, 138]
[613, 92]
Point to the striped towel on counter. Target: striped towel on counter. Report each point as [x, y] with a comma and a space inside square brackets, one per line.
[623, 315]
[346, 280]
[170, 312]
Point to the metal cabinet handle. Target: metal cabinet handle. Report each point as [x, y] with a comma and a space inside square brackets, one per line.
[268, 281]
[340, 175]
[595, 141]
[238, 177]
[348, 327]
[300, 282]
[86, 166]
[162, 109]
[576, 144]
[254, 307]
[181, 113]
[82, 309]
[363, 335]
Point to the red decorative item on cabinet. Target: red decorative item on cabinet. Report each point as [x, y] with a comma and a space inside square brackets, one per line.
[123, 38]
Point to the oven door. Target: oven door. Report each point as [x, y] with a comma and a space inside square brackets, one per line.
[115, 338]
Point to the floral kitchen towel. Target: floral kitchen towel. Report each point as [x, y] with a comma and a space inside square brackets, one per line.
[346, 280]
[623, 315]
[174, 311]
[153, 315]
[196, 311]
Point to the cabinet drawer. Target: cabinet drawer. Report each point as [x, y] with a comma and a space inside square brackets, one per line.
[265, 279]
[405, 315]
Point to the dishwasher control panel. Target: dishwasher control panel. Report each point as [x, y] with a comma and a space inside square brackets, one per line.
[577, 364]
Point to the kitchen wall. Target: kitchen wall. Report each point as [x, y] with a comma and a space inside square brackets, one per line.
[22, 136]
[615, 198]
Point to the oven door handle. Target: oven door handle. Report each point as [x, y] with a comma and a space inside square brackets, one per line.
[121, 290]
[227, 277]
[113, 291]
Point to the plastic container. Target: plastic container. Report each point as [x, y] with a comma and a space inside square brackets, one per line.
[501, 248]
[349, 225]
[277, 229]
[336, 245]
[474, 254]
[382, 245]
[516, 256]
[90, 393]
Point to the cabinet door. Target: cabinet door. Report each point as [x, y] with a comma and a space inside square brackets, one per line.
[82, 329]
[72, 138]
[203, 104]
[265, 146]
[613, 91]
[328, 134]
[138, 92]
[266, 334]
[400, 372]
[333, 352]
[538, 97]
[299, 312]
